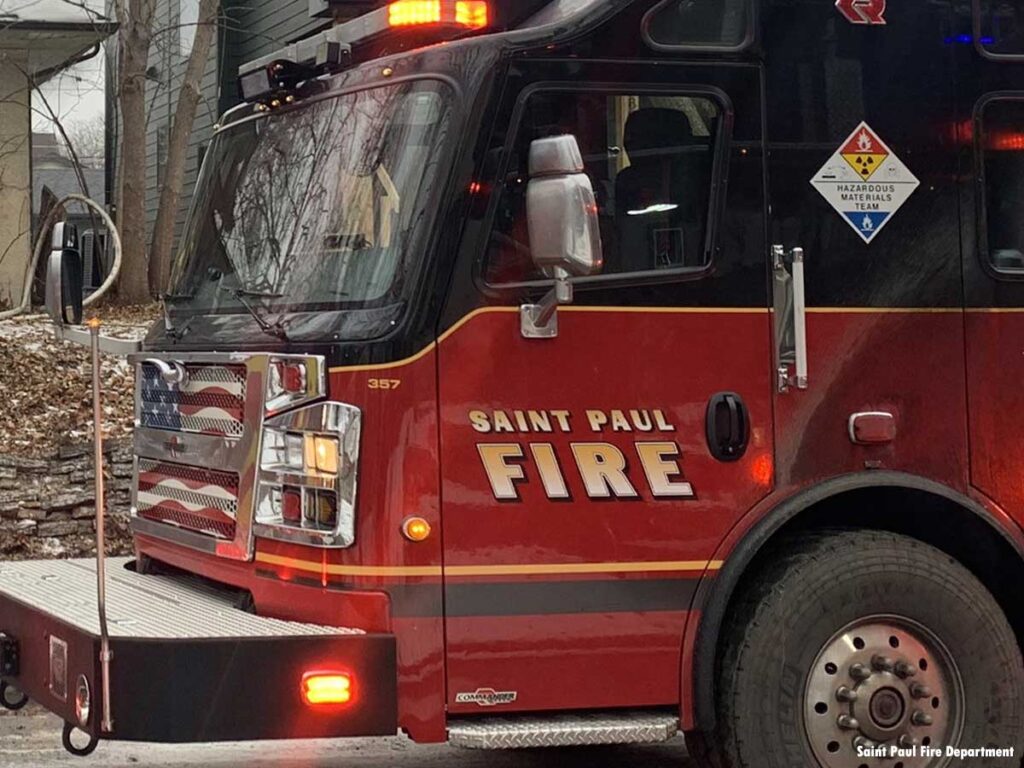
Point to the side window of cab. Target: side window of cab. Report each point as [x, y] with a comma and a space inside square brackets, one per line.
[999, 29]
[653, 161]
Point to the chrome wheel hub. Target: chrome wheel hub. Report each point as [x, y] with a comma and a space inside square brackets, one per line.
[882, 691]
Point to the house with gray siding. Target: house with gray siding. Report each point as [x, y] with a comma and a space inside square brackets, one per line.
[247, 30]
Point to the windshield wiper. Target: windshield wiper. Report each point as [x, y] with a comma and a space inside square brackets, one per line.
[169, 328]
[242, 295]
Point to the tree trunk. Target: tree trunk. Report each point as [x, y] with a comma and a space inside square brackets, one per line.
[177, 149]
[136, 31]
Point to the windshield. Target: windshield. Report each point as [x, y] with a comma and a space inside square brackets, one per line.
[313, 208]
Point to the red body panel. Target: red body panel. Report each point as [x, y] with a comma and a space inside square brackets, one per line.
[907, 362]
[502, 560]
[383, 582]
[995, 360]
[603, 359]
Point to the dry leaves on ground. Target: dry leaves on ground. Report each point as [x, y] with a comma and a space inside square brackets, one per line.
[46, 384]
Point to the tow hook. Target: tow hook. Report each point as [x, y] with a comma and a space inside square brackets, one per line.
[11, 698]
[69, 745]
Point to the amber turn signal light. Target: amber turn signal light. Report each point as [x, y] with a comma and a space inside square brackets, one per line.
[415, 529]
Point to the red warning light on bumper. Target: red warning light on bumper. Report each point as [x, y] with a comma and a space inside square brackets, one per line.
[326, 688]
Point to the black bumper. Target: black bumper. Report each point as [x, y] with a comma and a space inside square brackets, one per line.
[197, 689]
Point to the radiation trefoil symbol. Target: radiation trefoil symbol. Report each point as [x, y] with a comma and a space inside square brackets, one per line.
[865, 182]
[864, 152]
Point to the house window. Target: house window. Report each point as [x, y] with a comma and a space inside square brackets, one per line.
[652, 161]
[188, 19]
[696, 24]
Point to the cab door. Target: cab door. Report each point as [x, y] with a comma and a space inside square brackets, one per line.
[991, 120]
[587, 476]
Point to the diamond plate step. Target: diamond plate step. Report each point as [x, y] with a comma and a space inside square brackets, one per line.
[525, 731]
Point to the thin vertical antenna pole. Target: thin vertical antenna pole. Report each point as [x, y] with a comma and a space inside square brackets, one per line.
[101, 553]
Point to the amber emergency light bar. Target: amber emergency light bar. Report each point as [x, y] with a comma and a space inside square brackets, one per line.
[271, 81]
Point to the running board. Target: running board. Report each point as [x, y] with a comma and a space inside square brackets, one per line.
[525, 731]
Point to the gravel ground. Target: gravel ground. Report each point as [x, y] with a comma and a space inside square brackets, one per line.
[33, 739]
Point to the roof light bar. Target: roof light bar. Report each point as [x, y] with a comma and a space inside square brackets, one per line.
[404, 13]
[272, 77]
[464, 13]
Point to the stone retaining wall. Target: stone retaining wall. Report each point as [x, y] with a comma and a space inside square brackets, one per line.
[53, 497]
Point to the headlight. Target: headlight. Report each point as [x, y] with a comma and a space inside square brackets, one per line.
[308, 472]
[282, 450]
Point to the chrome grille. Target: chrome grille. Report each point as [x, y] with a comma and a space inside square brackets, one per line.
[210, 400]
[200, 499]
[197, 444]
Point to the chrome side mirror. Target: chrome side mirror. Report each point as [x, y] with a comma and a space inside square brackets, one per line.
[64, 280]
[565, 238]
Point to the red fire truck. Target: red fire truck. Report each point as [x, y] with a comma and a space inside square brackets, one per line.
[582, 371]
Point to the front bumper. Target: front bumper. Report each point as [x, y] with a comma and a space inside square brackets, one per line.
[188, 666]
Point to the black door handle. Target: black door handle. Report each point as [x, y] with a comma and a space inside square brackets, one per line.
[727, 426]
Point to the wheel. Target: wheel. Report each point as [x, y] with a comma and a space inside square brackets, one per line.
[857, 649]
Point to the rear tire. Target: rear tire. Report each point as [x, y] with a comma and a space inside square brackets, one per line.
[868, 637]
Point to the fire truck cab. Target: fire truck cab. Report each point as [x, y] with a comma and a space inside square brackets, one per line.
[584, 371]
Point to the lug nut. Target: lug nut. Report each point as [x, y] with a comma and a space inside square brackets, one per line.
[859, 671]
[920, 718]
[845, 694]
[847, 722]
[882, 663]
[863, 742]
[920, 691]
[906, 742]
[903, 669]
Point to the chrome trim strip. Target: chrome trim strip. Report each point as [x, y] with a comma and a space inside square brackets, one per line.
[208, 451]
[175, 535]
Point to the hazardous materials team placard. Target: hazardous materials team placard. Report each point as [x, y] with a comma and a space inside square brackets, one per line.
[865, 182]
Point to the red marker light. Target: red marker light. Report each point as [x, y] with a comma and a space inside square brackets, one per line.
[323, 688]
[291, 506]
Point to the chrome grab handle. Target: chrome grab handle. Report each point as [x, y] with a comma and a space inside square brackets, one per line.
[790, 317]
[800, 318]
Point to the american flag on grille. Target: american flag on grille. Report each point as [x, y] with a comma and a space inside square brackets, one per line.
[211, 400]
[200, 499]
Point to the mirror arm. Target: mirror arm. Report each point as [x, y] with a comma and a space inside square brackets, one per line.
[560, 293]
[112, 346]
[540, 321]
